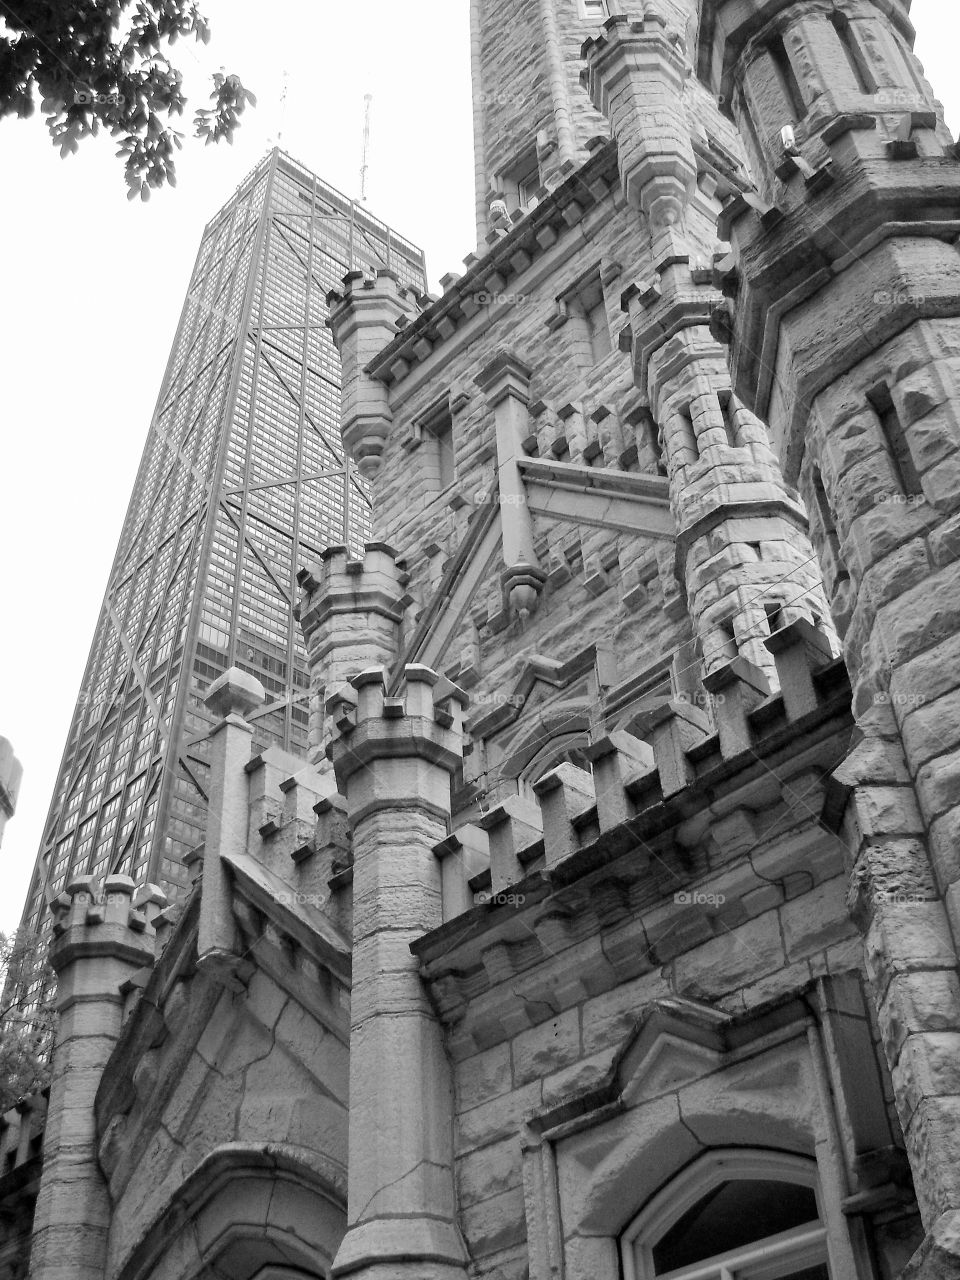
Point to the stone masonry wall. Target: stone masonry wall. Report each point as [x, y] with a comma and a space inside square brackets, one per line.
[574, 1030]
[262, 1071]
[600, 585]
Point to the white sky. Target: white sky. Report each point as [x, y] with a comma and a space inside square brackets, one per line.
[93, 286]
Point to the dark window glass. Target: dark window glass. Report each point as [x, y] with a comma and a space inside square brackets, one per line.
[735, 1214]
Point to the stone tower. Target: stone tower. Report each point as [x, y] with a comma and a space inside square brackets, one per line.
[103, 935]
[843, 318]
[628, 912]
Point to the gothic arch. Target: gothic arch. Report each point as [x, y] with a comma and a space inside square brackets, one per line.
[559, 727]
[682, 1089]
[704, 1175]
[259, 1213]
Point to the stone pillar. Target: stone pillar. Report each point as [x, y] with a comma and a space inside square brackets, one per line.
[102, 935]
[350, 613]
[363, 320]
[506, 384]
[229, 698]
[394, 762]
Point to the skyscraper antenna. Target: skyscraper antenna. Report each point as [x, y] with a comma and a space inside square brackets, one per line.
[283, 107]
[368, 99]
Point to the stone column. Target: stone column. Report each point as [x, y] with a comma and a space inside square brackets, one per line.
[506, 384]
[102, 935]
[394, 758]
[230, 697]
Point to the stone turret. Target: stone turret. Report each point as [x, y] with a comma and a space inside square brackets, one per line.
[843, 318]
[103, 935]
[743, 554]
[394, 759]
[363, 320]
[350, 613]
[635, 75]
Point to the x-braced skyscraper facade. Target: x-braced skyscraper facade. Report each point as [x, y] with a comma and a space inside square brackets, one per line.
[242, 478]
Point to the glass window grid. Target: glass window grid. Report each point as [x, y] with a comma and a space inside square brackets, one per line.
[146, 591]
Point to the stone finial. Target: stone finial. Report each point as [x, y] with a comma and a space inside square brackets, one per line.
[505, 375]
[737, 687]
[799, 650]
[462, 855]
[236, 692]
[505, 381]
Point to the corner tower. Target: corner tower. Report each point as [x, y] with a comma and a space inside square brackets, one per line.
[843, 320]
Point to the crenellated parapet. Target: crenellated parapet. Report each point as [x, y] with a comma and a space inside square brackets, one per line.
[419, 731]
[364, 318]
[108, 919]
[655, 769]
[350, 612]
[603, 863]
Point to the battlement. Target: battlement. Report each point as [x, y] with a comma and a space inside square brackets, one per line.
[340, 583]
[351, 612]
[424, 719]
[357, 285]
[298, 833]
[114, 902]
[647, 774]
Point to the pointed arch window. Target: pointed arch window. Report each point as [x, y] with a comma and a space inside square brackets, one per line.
[732, 1215]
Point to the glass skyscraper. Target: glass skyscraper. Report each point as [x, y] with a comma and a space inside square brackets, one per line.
[243, 477]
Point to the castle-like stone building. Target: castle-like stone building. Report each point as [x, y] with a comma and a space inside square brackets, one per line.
[613, 929]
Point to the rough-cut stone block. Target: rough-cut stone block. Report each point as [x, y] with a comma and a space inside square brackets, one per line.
[732, 960]
[547, 1047]
[484, 1076]
[817, 919]
[496, 1223]
[918, 1003]
[499, 1118]
[489, 1172]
